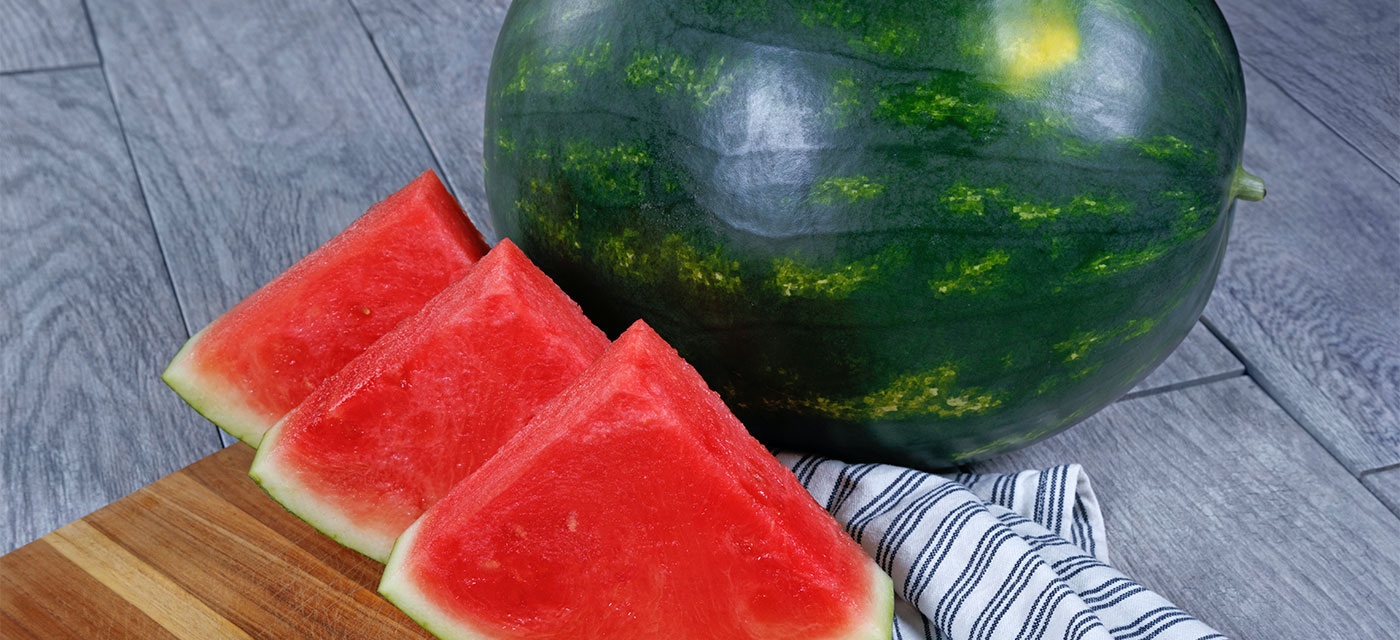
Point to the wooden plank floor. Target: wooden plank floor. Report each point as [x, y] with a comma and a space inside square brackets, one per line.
[1336, 59]
[51, 34]
[1309, 295]
[1385, 483]
[254, 144]
[439, 52]
[88, 313]
[162, 158]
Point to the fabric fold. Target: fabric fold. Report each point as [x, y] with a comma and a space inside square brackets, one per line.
[1020, 556]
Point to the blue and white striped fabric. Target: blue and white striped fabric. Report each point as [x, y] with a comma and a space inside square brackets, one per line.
[991, 557]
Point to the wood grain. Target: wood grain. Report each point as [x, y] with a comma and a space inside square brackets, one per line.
[1200, 357]
[183, 558]
[39, 34]
[169, 606]
[77, 603]
[1216, 498]
[440, 53]
[88, 313]
[259, 130]
[1339, 59]
[1309, 294]
[1386, 485]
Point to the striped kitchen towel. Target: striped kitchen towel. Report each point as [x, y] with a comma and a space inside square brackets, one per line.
[991, 557]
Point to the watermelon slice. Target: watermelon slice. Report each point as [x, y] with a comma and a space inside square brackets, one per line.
[635, 506]
[392, 432]
[261, 358]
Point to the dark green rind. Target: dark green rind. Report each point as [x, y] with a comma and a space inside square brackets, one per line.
[875, 235]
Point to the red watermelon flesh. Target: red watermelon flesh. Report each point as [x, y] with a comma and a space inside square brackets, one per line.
[392, 432]
[635, 506]
[261, 358]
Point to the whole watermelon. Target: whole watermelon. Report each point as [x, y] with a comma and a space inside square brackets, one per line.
[920, 232]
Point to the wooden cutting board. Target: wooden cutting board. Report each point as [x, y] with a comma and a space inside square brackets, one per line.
[200, 554]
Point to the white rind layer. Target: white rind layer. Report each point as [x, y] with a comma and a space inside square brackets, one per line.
[271, 473]
[211, 398]
[398, 588]
[880, 624]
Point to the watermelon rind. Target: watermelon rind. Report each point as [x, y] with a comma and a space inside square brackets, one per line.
[398, 588]
[211, 397]
[880, 624]
[282, 485]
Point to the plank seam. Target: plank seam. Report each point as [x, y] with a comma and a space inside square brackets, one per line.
[1373, 162]
[131, 159]
[1185, 384]
[1380, 469]
[403, 99]
[140, 185]
[53, 69]
[1252, 372]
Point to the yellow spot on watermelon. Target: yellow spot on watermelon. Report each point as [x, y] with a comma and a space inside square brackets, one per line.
[1031, 212]
[1111, 264]
[931, 106]
[1083, 343]
[629, 255]
[1035, 39]
[672, 73]
[1164, 147]
[795, 279]
[829, 191]
[845, 98]
[929, 393]
[970, 276]
[964, 199]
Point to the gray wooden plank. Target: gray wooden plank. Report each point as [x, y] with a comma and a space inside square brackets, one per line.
[89, 314]
[259, 129]
[1386, 485]
[1200, 357]
[1309, 294]
[41, 34]
[440, 53]
[1340, 59]
[1217, 499]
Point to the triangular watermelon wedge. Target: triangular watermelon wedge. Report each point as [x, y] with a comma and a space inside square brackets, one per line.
[262, 357]
[635, 506]
[391, 433]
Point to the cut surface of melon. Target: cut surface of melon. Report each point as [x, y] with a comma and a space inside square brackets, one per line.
[258, 360]
[636, 506]
[388, 435]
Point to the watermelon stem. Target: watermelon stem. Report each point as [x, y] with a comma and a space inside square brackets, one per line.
[1248, 186]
